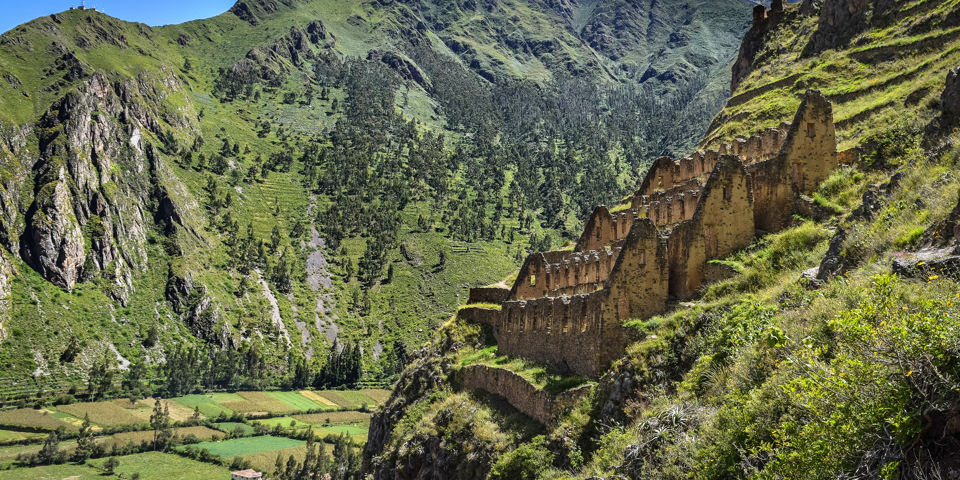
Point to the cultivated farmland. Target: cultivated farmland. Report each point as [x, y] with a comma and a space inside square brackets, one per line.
[295, 400]
[258, 402]
[246, 446]
[333, 417]
[203, 433]
[105, 414]
[30, 418]
[266, 461]
[153, 466]
[208, 406]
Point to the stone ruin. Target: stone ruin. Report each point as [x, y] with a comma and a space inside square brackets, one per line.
[567, 308]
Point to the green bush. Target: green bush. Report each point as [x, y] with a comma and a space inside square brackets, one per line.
[526, 462]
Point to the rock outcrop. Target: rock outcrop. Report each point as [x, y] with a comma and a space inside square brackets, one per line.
[86, 216]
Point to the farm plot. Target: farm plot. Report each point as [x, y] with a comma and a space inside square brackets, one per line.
[246, 446]
[317, 398]
[9, 453]
[178, 412]
[209, 407]
[357, 398]
[266, 461]
[105, 414]
[337, 399]
[333, 418]
[202, 433]
[12, 436]
[283, 422]
[30, 418]
[295, 400]
[153, 466]
[258, 402]
[232, 426]
[347, 429]
[377, 395]
[69, 470]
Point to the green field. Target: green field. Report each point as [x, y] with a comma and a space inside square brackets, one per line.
[150, 466]
[347, 429]
[283, 422]
[246, 446]
[12, 436]
[295, 400]
[230, 426]
[208, 406]
[57, 472]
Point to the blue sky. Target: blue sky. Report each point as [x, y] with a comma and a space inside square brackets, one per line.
[152, 13]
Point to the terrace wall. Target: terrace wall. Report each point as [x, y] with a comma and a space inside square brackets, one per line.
[522, 395]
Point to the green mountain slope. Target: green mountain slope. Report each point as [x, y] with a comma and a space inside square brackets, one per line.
[830, 353]
[293, 176]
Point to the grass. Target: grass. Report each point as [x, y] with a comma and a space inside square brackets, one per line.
[161, 466]
[245, 446]
[30, 418]
[295, 400]
[347, 429]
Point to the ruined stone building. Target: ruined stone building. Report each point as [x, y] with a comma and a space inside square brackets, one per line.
[567, 308]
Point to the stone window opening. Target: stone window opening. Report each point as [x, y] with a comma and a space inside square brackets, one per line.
[533, 280]
[811, 130]
[727, 192]
[643, 257]
[798, 176]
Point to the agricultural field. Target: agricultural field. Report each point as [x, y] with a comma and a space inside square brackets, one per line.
[105, 414]
[266, 461]
[246, 446]
[231, 426]
[150, 466]
[378, 395]
[317, 398]
[30, 418]
[283, 422]
[208, 406]
[258, 402]
[55, 472]
[9, 453]
[295, 400]
[12, 436]
[333, 418]
[203, 433]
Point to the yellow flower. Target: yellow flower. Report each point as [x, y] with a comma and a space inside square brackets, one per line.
[909, 373]
[921, 263]
[934, 277]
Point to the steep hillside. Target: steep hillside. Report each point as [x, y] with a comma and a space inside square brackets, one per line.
[292, 178]
[825, 347]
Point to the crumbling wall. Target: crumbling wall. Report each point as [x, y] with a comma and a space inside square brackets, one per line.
[519, 392]
[807, 158]
[638, 283]
[488, 295]
[563, 273]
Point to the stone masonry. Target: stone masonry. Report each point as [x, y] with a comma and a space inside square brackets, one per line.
[567, 308]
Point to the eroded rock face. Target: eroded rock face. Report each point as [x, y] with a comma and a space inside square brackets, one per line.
[85, 215]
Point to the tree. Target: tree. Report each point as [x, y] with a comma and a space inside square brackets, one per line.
[279, 470]
[160, 421]
[51, 447]
[84, 441]
[111, 464]
[100, 378]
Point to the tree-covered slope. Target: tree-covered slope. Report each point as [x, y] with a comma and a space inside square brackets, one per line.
[294, 176]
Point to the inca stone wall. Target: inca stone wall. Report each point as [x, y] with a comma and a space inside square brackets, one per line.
[530, 400]
[566, 308]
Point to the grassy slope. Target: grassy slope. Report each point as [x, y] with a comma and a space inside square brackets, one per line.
[890, 74]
